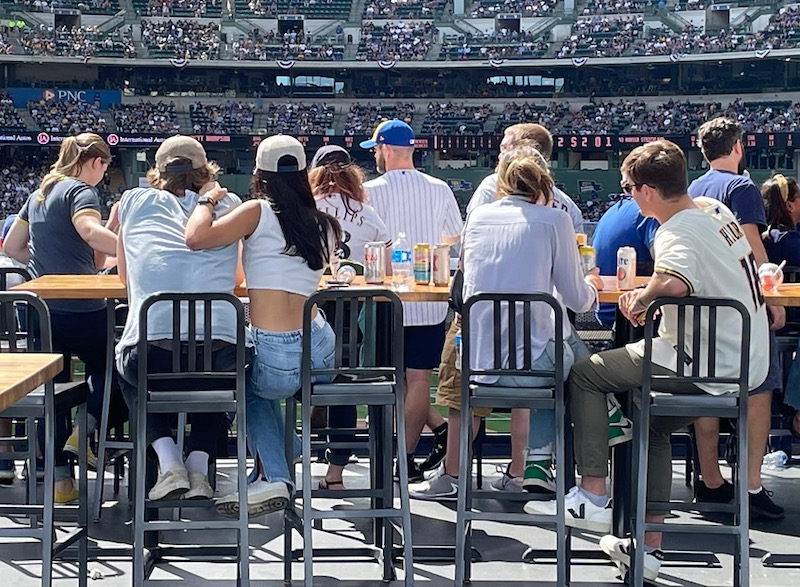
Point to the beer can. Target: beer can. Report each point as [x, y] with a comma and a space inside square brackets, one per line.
[422, 263]
[374, 262]
[441, 265]
[626, 268]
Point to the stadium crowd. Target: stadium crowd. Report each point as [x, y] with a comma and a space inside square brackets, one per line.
[158, 118]
[396, 42]
[594, 7]
[9, 117]
[259, 46]
[167, 8]
[406, 9]
[183, 39]
[227, 118]
[600, 36]
[299, 119]
[362, 118]
[67, 117]
[527, 8]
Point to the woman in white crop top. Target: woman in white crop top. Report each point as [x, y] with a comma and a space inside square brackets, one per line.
[287, 244]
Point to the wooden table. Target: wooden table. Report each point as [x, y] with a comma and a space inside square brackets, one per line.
[91, 287]
[21, 373]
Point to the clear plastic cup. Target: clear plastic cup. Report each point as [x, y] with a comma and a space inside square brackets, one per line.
[771, 276]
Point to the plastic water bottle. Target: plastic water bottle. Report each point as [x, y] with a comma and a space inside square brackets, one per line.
[458, 349]
[775, 460]
[401, 263]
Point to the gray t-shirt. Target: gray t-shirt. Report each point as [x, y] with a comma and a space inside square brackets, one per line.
[56, 247]
[158, 260]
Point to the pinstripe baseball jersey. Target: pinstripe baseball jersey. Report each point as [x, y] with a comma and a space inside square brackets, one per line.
[425, 209]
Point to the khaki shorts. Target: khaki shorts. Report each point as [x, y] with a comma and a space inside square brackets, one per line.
[448, 393]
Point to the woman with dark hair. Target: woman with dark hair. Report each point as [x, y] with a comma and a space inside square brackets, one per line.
[782, 242]
[59, 231]
[782, 203]
[287, 245]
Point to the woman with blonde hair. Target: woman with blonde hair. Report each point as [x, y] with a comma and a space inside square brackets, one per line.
[59, 231]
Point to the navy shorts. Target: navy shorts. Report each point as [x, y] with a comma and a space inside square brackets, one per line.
[423, 346]
[774, 381]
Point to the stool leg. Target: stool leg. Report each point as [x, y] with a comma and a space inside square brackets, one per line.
[291, 417]
[463, 557]
[83, 498]
[741, 576]
[97, 503]
[641, 448]
[30, 455]
[405, 499]
[49, 490]
[562, 559]
[308, 529]
[387, 489]
[140, 449]
[241, 463]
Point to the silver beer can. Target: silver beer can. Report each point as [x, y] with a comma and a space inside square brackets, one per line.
[441, 265]
[626, 268]
[374, 262]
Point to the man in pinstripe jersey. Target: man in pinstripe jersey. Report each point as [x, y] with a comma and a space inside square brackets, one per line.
[425, 209]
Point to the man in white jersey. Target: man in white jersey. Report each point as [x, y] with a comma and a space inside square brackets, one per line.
[425, 209]
[699, 250]
[539, 137]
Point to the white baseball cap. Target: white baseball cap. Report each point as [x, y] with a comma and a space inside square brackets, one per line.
[280, 154]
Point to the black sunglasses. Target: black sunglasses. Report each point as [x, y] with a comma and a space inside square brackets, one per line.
[628, 187]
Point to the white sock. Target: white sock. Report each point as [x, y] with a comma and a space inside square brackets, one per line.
[755, 491]
[167, 452]
[197, 462]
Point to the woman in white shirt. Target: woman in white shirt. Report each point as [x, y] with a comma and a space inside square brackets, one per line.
[337, 185]
[520, 229]
[287, 244]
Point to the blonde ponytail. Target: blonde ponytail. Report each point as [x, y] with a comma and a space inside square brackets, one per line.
[74, 153]
[523, 171]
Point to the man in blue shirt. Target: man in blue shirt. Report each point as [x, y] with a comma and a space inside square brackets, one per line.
[622, 225]
[720, 140]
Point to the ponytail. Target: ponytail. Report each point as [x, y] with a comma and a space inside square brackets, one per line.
[73, 154]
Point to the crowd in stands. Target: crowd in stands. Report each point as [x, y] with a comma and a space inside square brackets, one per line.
[67, 117]
[603, 118]
[18, 179]
[396, 41]
[165, 8]
[185, 39]
[260, 46]
[527, 8]
[83, 41]
[601, 36]
[455, 117]
[363, 118]
[613, 6]
[88, 6]
[408, 9]
[9, 117]
[299, 119]
[158, 118]
[263, 7]
[5, 45]
[227, 118]
[548, 116]
[495, 45]
[593, 208]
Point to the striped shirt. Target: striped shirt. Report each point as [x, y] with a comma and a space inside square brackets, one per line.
[425, 209]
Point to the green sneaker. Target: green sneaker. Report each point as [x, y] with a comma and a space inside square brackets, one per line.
[538, 477]
[620, 428]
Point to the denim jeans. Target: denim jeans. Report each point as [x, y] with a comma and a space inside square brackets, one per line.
[275, 376]
[542, 427]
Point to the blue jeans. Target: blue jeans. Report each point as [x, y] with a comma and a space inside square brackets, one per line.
[542, 427]
[275, 376]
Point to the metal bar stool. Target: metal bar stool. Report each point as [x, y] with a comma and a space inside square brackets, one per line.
[218, 391]
[43, 404]
[513, 311]
[357, 380]
[714, 312]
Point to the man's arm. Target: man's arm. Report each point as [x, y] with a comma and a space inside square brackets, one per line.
[633, 304]
[753, 236]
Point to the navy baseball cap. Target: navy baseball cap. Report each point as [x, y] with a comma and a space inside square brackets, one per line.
[330, 154]
[394, 133]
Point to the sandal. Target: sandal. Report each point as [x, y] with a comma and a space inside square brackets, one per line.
[329, 485]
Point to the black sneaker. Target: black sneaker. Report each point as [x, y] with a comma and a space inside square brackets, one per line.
[437, 454]
[762, 506]
[721, 494]
[415, 474]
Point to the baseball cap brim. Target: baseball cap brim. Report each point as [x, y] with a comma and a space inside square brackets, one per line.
[368, 144]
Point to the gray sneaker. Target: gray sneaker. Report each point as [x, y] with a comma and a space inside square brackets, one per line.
[442, 487]
[507, 483]
[171, 484]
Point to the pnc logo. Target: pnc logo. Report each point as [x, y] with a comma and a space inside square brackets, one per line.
[48, 95]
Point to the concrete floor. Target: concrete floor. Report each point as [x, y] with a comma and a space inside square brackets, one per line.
[500, 545]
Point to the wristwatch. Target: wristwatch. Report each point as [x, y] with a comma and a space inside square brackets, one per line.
[207, 200]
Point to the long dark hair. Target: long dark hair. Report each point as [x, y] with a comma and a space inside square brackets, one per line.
[775, 192]
[309, 233]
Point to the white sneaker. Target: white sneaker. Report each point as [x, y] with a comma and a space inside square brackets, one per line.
[171, 484]
[199, 487]
[579, 512]
[434, 472]
[442, 487]
[619, 549]
[263, 497]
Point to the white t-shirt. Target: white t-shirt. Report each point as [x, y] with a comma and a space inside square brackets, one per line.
[706, 249]
[425, 208]
[157, 259]
[487, 190]
[500, 240]
[360, 224]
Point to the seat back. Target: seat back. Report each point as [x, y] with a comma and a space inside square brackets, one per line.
[699, 315]
[6, 272]
[511, 316]
[24, 323]
[356, 315]
[192, 366]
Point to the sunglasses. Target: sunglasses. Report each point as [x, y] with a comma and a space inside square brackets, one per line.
[628, 187]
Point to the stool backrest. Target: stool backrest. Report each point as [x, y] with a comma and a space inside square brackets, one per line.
[197, 348]
[696, 315]
[6, 272]
[32, 333]
[511, 315]
[368, 325]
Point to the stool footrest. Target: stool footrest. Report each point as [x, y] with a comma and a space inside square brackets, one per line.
[710, 529]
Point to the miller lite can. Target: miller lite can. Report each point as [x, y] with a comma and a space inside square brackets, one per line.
[374, 262]
[441, 265]
[626, 268]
